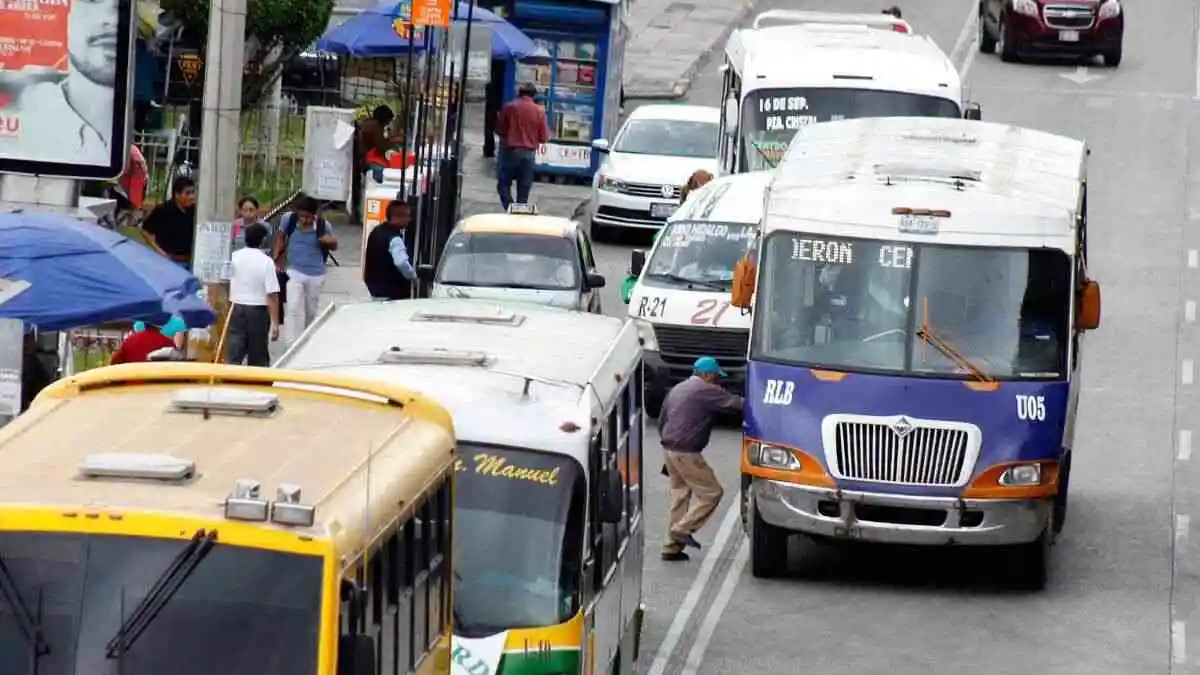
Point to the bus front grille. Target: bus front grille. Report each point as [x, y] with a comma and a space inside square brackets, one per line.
[694, 342]
[902, 453]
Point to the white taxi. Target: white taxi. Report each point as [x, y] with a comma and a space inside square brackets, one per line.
[646, 167]
[518, 256]
[681, 301]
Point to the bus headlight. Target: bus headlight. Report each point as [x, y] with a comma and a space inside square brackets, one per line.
[1021, 475]
[771, 457]
[645, 331]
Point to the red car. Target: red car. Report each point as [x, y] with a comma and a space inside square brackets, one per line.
[1084, 28]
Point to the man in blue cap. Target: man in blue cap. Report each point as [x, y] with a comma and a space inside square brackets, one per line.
[689, 412]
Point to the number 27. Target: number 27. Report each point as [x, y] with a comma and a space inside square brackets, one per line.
[709, 311]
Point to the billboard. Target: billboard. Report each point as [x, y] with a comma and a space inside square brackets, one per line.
[65, 72]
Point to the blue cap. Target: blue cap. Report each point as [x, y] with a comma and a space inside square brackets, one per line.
[707, 365]
[174, 327]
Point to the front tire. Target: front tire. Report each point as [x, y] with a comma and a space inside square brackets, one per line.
[1112, 57]
[1029, 564]
[1006, 44]
[768, 546]
[987, 43]
[1060, 500]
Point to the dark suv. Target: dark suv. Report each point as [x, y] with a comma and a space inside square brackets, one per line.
[1083, 28]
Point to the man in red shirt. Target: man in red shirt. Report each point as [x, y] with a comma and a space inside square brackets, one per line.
[146, 340]
[521, 128]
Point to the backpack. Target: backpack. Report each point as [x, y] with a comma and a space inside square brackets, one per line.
[290, 226]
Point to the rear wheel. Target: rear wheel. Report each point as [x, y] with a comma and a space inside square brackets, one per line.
[987, 43]
[1006, 44]
[768, 546]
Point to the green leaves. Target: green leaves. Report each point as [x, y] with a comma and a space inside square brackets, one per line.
[292, 25]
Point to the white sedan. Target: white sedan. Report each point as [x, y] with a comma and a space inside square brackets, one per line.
[657, 149]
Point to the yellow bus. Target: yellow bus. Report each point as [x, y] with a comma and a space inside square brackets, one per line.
[197, 519]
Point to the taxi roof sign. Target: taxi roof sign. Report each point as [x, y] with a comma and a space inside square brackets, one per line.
[522, 209]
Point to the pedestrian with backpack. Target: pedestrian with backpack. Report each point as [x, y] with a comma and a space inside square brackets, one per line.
[302, 245]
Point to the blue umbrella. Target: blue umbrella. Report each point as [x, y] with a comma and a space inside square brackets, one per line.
[372, 34]
[80, 274]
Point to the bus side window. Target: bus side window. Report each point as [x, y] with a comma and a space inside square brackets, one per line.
[421, 586]
[595, 527]
[608, 465]
[404, 646]
[634, 461]
[439, 563]
[619, 421]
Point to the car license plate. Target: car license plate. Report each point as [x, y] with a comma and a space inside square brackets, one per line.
[1068, 36]
[662, 209]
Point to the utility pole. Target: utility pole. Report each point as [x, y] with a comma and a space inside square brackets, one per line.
[220, 155]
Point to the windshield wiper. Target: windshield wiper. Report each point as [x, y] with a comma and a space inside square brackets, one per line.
[763, 155]
[926, 333]
[686, 281]
[29, 624]
[161, 592]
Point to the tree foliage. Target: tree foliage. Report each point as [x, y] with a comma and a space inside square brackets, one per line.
[276, 30]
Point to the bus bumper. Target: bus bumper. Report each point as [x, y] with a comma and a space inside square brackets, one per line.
[899, 519]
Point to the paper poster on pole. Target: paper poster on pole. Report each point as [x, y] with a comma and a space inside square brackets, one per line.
[479, 54]
[12, 358]
[328, 153]
[432, 13]
[214, 246]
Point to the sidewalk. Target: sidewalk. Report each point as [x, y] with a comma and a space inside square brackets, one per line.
[671, 42]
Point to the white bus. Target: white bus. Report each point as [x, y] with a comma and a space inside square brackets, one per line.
[793, 68]
[680, 302]
[547, 408]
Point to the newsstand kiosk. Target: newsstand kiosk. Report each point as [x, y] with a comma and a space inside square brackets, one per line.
[577, 70]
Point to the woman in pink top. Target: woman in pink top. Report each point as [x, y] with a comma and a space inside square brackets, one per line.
[135, 177]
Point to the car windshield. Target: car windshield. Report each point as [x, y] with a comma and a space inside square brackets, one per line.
[518, 537]
[893, 306]
[698, 253]
[243, 610]
[510, 261]
[671, 138]
[770, 117]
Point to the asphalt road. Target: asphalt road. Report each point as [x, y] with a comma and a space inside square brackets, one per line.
[1124, 587]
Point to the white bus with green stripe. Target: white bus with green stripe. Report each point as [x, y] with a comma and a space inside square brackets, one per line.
[547, 408]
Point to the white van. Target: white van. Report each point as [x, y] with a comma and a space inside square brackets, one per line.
[681, 299]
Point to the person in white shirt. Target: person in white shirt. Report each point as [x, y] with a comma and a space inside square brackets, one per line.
[71, 120]
[254, 293]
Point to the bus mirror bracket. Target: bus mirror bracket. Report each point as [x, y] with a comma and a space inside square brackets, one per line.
[731, 115]
[744, 278]
[356, 655]
[1087, 316]
[637, 261]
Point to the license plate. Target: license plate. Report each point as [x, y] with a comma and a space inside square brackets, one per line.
[918, 224]
[1068, 36]
[662, 210]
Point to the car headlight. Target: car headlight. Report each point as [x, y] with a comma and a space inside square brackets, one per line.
[609, 184]
[1110, 10]
[645, 331]
[1026, 7]
[1022, 475]
[771, 457]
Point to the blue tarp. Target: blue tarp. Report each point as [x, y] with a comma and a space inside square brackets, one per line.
[372, 34]
[81, 274]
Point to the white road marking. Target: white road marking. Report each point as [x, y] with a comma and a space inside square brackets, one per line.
[1197, 66]
[675, 632]
[1189, 311]
[713, 616]
[1193, 258]
[966, 66]
[1185, 445]
[1178, 642]
[1188, 371]
[965, 36]
[1182, 524]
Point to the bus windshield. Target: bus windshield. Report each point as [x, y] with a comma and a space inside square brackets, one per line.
[698, 254]
[921, 309]
[518, 537]
[243, 610]
[770, 117]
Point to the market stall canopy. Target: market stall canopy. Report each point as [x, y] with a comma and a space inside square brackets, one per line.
[80, 274]
[372, 34]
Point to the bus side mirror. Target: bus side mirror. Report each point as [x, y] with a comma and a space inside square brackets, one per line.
[612, 498]
[731, 115]
[973, 112]
[637, 261]
[1087, 315]
[356, 655]
[744, 278]
[425, 273]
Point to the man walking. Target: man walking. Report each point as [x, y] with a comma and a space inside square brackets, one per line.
[387, 270]
[301, 246]
[521, 128]
[172, 224]
[685, 425]
[254, 294]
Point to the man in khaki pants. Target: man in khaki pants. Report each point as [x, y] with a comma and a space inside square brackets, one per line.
[685, 424]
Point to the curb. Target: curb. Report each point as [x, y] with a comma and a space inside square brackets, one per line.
[684, 84]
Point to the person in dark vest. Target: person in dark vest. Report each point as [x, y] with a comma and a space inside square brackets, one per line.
[387, 269]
